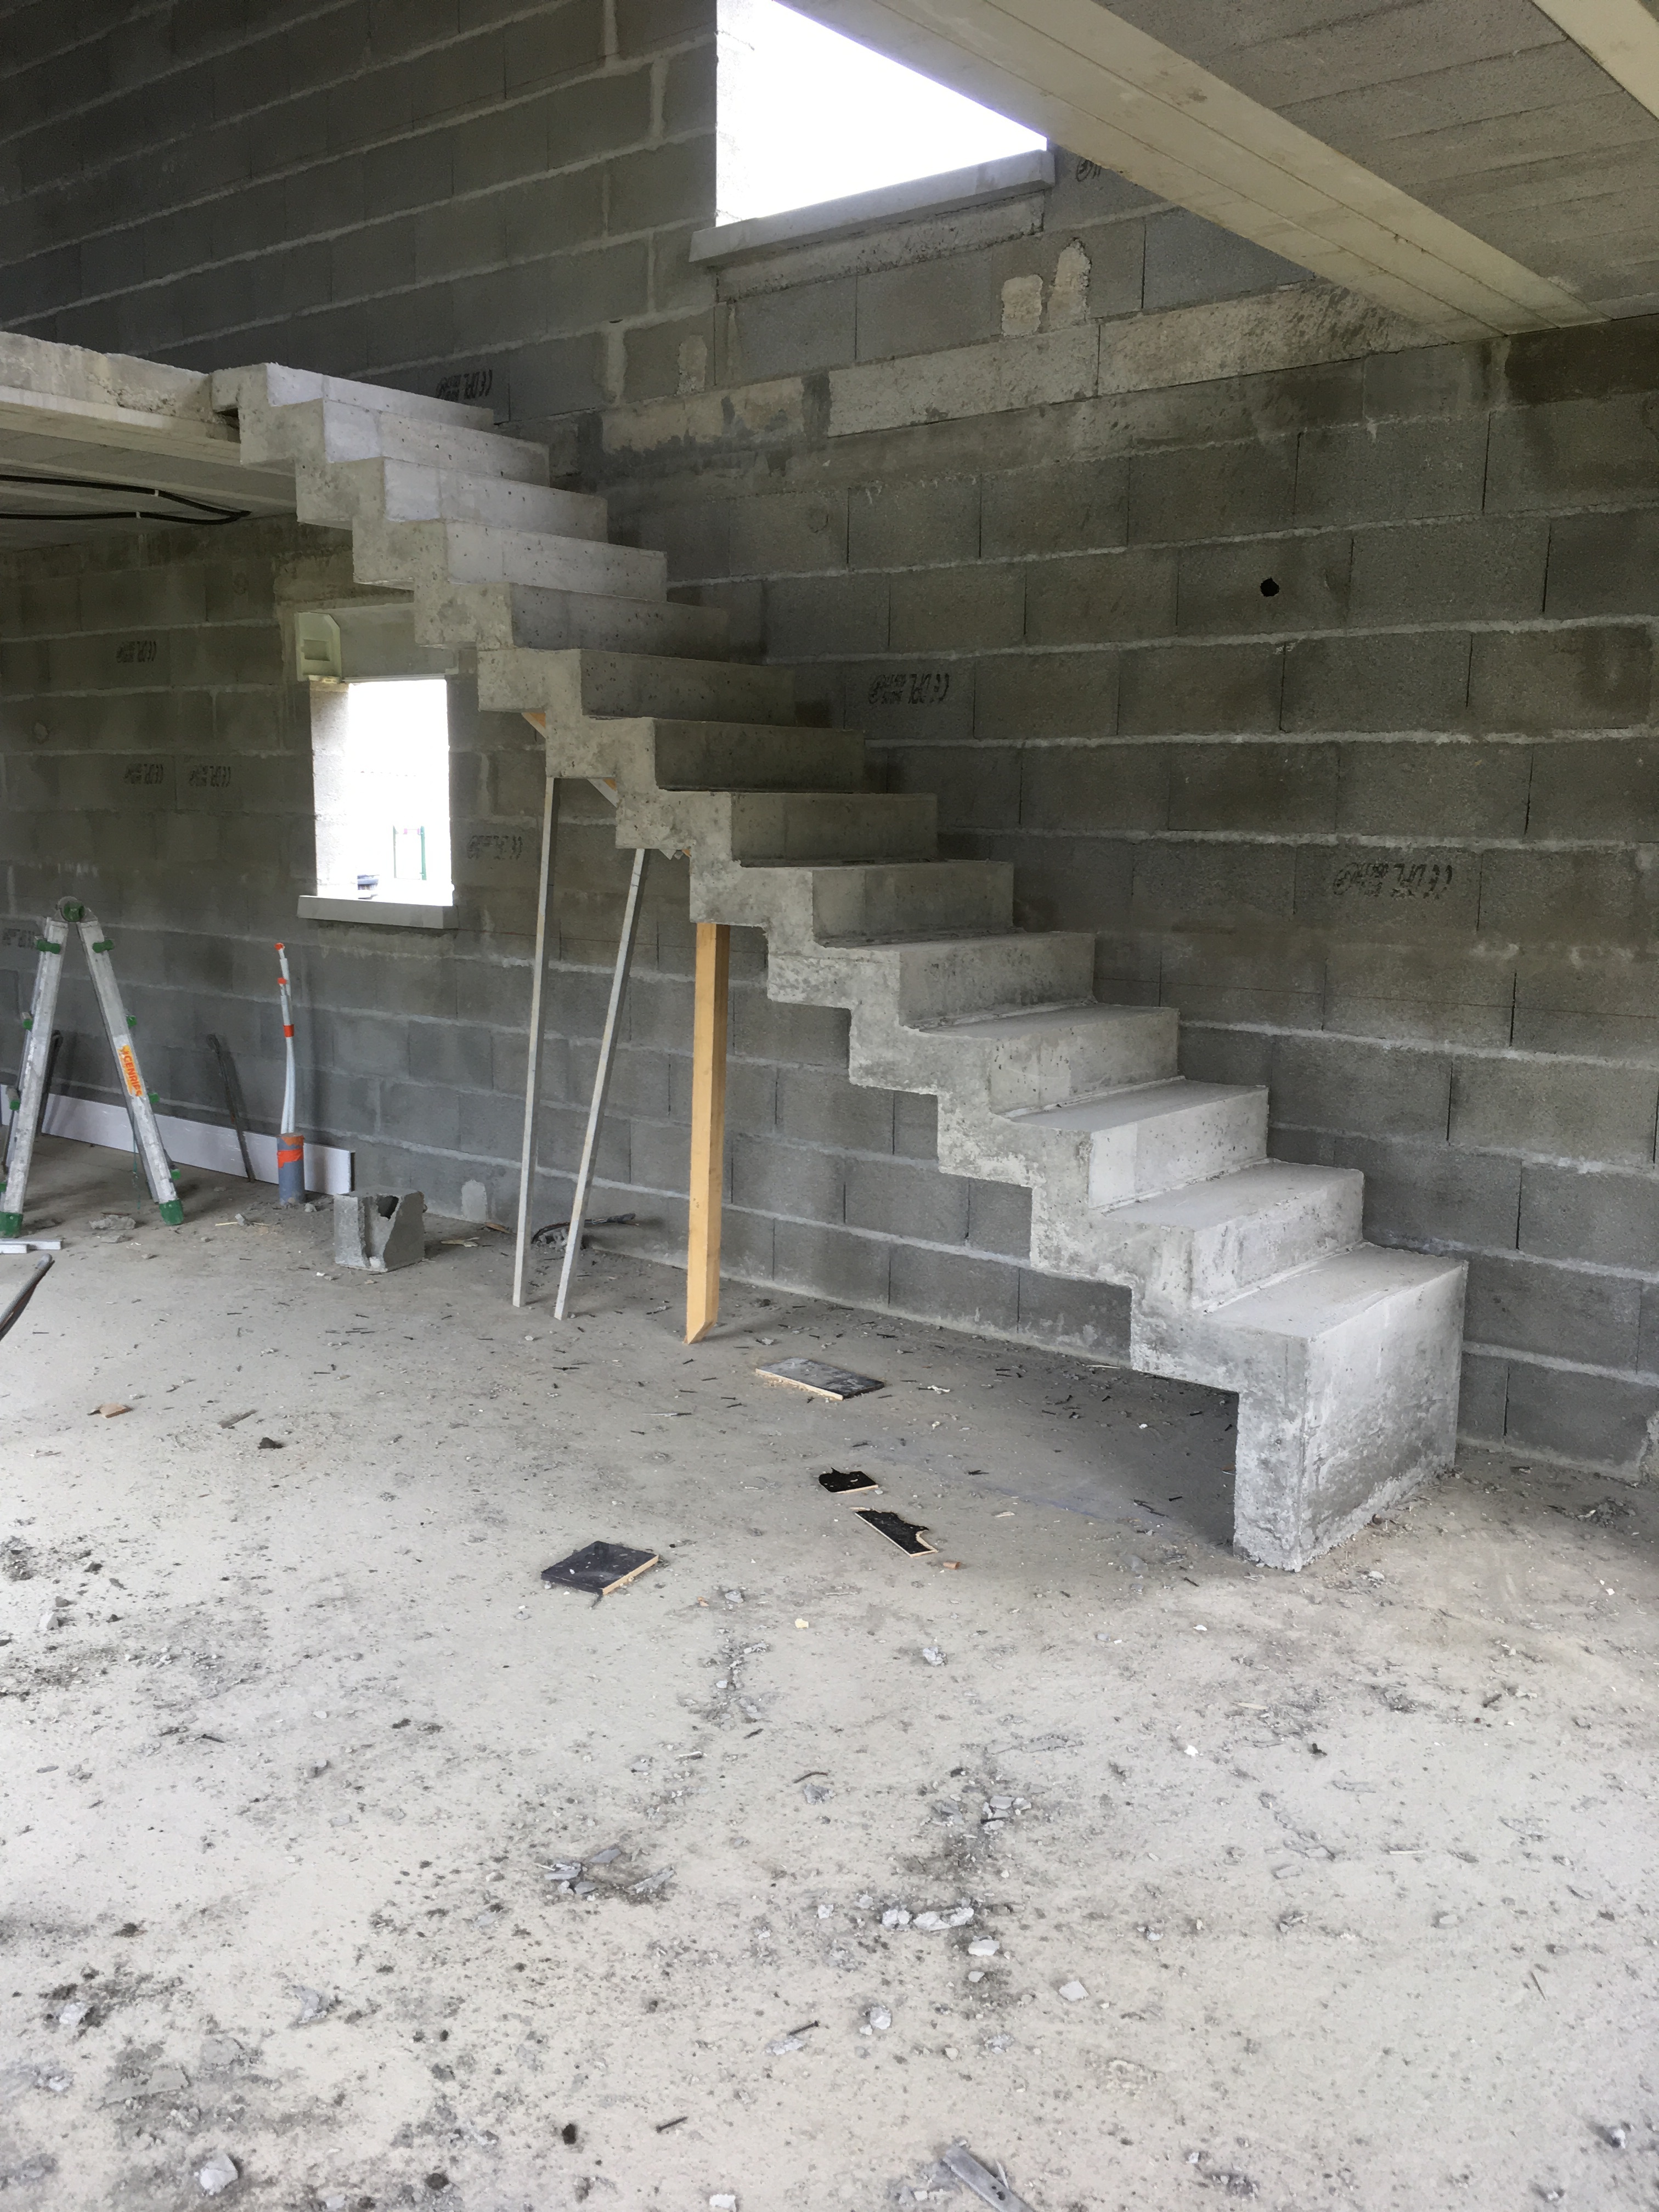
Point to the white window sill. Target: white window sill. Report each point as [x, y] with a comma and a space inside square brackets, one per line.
[377, 913]
[878, 210]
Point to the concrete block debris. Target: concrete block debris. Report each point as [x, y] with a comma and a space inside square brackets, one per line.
[992, 2187]
[819, 1378]
[380, 1230]
[110, 1409]
[598, 1568]
[907, 1534]
[217, 2173]
[846, 1481]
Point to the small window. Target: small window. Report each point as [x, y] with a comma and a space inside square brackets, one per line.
[806, 115]
[381, 765]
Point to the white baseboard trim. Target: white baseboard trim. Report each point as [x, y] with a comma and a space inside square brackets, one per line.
[190, 1144]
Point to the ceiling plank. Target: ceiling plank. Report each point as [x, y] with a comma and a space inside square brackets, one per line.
[1621, 34]
[1102, 89]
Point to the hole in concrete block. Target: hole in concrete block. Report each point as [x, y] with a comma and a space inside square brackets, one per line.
[1269, 587]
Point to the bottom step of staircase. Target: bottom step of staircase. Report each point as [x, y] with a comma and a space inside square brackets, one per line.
[1347, 1377]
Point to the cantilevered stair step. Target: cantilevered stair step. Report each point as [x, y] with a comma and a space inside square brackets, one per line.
[757, 756]
[345, 492]
[1214, 1240]
[412, 553]
[278, 385]
[910, 899]
[944, 982]
[1055, 1055]
[797, 829]
[636, 687]
[1155, 1136]
[494, 617]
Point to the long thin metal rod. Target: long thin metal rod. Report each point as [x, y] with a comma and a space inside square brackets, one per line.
[630, 929]
[14, 1310]
[532, 1081]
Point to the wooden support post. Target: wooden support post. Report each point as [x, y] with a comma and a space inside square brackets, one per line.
[532, 1081]
[703, 1272]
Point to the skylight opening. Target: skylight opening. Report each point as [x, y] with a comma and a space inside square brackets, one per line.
[806, 115]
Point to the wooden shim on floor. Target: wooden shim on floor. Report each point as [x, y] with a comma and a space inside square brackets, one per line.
[600, 1568]
[702, 1269]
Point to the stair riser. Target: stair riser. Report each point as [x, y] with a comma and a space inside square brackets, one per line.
[947, 982]
[854, 903]
[691, 756]
[1180, 1268]
[574, 686]
[421, 553]
[774, 829]
[1139, 1157]
[345, 492]
[493, 616]
[272, 385]
[1053, 1069]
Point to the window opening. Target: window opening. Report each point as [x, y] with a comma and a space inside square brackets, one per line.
[807, 115]
[381, 763]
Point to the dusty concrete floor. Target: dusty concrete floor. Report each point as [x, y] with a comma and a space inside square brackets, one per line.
[1349, 1866]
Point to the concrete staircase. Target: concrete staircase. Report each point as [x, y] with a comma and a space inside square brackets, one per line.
[1247, 1274]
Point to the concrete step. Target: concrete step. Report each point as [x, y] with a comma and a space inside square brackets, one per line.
[883, 902]
[279, 387]
[1055, 1056]
[1157, 1136]
[1214, 1240]
[772, 829]
[948, 985]
[633, 686]
[757, 756]
[411, 553]
[341, 493]
[493, 616]
[323, 432]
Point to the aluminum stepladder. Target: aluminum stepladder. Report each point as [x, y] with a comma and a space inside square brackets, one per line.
[29, 1101]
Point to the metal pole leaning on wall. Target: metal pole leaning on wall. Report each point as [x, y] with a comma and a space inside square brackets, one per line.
[702, 1259]
[572, 1244]
[532, 1081]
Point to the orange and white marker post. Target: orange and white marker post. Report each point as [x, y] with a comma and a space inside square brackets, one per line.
[290, 1144]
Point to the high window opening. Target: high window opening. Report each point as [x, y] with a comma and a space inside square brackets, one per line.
[381, 765]
[806, 115]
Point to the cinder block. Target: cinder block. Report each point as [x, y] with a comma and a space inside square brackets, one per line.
[1555, 1110]
[794, 332]
[1536, 1305]
[662, 184]
[1590, 1213]
[1095, 597]
[963, 1293]
[793, 1179]
[1581, 678]
[915, 1124]
[1594, 1420]
[1189, 260]
[840, 1116]
[929, 306]
[807, 1036]
[826, 615]
[1595, 789]
[1371, 893]
[1376, 682]
[977, 786]
[1182, 885]
[1094, 787]
[1391, 471]
[1000, 1218]
[1444, 788]
[1593, 897]
[1089, 1317]
[1264, 585]
[1482, 1391]
[554, 42]
[1217, 974]
[904, 1199]
[1604, 564]
[1284, 788]
[1178, 690]
[943, 610]
[781, 533]
[1050, 694]
[1578, 999]
[1418, 988]
[598, 115]
[1211, 491]
[1434, 1197]
[1082, 505]
[909, 523]
[832, 1263]
[1070, 883]
[647, 27]
[1378, 1090]
[1575, 452]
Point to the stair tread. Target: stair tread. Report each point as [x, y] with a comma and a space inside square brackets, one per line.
[1330, 1293]
[1135, 1102]
[1063, 1015]
[1237, 1195]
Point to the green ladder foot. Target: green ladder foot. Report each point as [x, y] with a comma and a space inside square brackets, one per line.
[172, 1212]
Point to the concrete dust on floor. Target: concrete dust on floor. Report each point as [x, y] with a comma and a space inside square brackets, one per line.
[347, 1864]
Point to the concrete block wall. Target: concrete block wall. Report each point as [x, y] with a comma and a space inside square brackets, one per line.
[491, 199]
[1324, 698]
